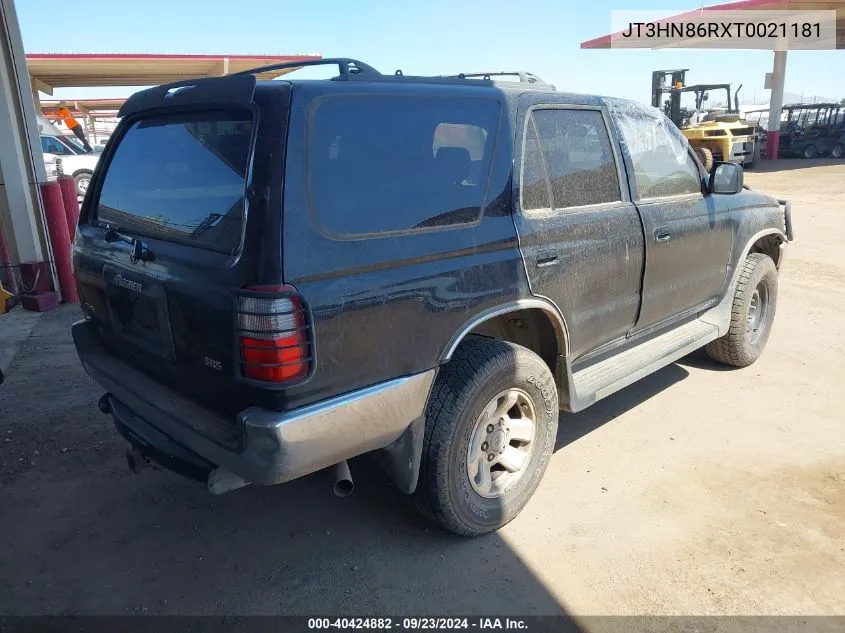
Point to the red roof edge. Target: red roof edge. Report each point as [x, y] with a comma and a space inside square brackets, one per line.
[292, 58]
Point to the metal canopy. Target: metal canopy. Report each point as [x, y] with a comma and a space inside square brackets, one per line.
[80, 70]
[84, 106]
[605, 41]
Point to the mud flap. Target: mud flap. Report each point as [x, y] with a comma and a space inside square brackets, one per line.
[401, 459]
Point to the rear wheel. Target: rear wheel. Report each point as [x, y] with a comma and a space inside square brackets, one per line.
[752, 314]
[810, 151]
[705, 156]
[490, 432]
[837, 151]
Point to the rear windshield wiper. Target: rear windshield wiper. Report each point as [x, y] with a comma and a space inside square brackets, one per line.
[139, 251]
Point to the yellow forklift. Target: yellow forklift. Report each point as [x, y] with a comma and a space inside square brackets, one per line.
[719, 134]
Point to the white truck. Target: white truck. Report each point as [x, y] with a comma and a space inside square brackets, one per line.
[63, 155]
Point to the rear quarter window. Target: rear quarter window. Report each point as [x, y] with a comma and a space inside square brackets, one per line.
[381, 165]
[182, 178]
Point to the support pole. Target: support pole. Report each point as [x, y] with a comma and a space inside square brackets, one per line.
[71, 203]
[776, 105]
[54, 209]
[21, 162]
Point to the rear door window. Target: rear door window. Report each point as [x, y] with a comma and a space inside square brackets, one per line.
[579, 157]
[389, 164]
[535, 192]
[181, 177]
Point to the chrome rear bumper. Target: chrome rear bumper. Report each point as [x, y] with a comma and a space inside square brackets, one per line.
[274, 446]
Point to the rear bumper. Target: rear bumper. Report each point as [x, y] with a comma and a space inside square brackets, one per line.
[743, 151]
[273, 446]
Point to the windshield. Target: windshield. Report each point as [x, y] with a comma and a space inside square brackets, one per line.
[181, 178]
[71, 142]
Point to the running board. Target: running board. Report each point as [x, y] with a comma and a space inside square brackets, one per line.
[612, 374]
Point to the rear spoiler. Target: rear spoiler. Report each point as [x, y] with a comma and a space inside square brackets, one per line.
[227, 91]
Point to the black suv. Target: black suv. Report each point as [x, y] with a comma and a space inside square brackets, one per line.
[278, 276]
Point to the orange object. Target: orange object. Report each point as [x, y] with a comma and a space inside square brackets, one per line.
[67, 117]
[5, 299]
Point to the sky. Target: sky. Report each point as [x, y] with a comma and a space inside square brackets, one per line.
[424, 38]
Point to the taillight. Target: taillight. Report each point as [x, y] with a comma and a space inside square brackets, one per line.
[273, 334]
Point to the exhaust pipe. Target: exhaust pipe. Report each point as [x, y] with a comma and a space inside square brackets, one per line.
[221, 481]
[136, 461]
[343, 484]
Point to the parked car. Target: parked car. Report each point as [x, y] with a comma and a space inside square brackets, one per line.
[73, 160]
[279, 276]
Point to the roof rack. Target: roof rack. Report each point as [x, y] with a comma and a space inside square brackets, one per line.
[346, 66]
[349, 69]
[535, 83]
[524, 77]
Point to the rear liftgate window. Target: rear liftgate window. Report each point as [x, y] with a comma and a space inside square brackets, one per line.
[181, 178]
[381, 165]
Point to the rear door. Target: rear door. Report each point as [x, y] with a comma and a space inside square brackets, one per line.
[170, 230]
[579, 232]
[688, 235]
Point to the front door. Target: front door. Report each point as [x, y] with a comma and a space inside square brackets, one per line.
[688, 235]
[580, 234]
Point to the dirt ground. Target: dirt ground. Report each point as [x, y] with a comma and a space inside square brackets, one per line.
[699, 490]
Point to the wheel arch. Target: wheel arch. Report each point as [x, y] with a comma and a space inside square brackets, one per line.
[769, 244]
[82, 170]
[533, 323]
[763, 241]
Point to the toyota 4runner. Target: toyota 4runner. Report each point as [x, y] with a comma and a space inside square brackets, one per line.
[278, 276]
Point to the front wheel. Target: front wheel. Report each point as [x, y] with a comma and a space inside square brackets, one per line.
[752, 313]
[490, 432]
[82, 180]
[837, 151]
[705, 156]
[810, 151]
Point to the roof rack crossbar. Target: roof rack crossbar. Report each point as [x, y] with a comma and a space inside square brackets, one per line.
[346, 66]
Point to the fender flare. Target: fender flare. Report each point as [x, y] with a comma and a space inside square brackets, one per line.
[750, 243]
[536, 303]
[720, 314]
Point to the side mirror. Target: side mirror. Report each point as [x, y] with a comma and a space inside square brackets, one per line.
[726, 178]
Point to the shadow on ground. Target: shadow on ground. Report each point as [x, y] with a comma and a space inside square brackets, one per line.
[700, 360]
[80, 535]
[791, 164]
[573, 426]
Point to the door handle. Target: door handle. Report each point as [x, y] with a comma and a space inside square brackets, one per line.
[662, 234]
[546, 258]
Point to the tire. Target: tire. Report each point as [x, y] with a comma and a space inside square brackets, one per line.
[470, 386]
[837, 151]
[758, 285]
[705, 156]
[753, 159]
[82, 180]
[810, 151]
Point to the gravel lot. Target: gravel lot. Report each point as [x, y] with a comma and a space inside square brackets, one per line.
[699, 490]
